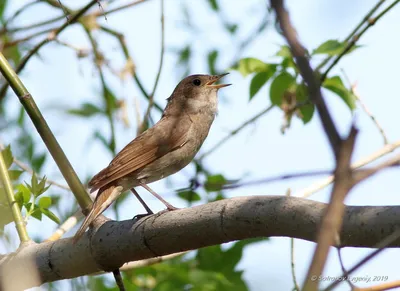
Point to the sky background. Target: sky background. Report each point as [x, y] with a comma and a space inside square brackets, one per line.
[58, 80]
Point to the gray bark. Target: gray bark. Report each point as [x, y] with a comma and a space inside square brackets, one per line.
[113, 243]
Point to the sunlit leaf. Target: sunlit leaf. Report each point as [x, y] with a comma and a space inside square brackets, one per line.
[335, 84]
[44, 202]
[333, 47]
[50, 215]
[247, 66]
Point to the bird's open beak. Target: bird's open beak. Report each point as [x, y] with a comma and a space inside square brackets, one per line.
[215, 79]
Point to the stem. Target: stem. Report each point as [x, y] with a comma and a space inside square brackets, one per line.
[43, 129]
[356, 38]
[141, 127]
[353, 32]
[16, 213]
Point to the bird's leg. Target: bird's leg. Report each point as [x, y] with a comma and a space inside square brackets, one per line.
[169, 206]
[142, 202]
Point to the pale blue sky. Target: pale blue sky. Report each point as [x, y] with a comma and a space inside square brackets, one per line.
[59, 80]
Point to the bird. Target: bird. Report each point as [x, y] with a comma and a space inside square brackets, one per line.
[162, 150]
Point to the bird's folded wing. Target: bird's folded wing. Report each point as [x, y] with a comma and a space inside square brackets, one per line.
[157, 141]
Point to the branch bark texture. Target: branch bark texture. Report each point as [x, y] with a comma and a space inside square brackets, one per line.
[113, 243]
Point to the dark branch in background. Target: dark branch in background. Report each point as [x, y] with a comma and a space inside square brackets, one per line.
[98, 60]
[142, 126]
[75, 16]
[121, 39]
[333, 218]
[384, 243]
[51, 37]
[313, 85]
[115, 243]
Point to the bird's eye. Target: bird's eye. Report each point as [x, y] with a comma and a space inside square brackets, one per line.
[196, 82]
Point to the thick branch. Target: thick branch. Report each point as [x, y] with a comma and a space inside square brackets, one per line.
[115, 243]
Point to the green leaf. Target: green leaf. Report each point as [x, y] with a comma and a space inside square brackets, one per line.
[306, 110]
[284, 52]
[14, 174]
[44, 202]
[247, 66]
[7, 156]
[189, 195]
[184, 55]
[19, 199]
[215, 183]
[111, 99]
[3, 5]
[86, 110]
[259, 80]
[37, 212]
[333, 48]
[26, 193]
[38, 161]
[279, 86]
[212, 58]
[335, 84]
[232, 28]
[213, 4]
[50, 215]
[37, 188]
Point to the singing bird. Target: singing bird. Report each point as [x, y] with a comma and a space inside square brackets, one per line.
[163, 149]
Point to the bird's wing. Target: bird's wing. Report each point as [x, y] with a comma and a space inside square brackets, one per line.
[167, 135]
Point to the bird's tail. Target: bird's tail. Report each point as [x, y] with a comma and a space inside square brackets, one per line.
[103, 199]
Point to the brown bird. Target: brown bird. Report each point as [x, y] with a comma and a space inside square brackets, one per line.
[162, 150]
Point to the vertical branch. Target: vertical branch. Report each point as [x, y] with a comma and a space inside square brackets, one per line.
[308, 75]
[46, 134]
[141, 128]
[16, 213]
[109, 107]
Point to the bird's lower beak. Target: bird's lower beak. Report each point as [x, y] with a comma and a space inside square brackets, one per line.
[215, 79]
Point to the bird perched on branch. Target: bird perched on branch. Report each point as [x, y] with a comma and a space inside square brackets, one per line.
[163, 149]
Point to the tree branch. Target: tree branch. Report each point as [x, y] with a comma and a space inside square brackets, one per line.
[114, 243]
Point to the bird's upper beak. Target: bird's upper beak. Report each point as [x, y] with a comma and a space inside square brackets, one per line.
[215, 79]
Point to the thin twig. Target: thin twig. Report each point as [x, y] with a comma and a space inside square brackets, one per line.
[354, 31]
[339, 252]
[142, 126]
[68, 224]
[9, 195]
[121, 39]
[292, 264]
[381, 246]
[381, 287]
[146, 262]
[356, 37]
[235, 131]
[333, 218]
[309, 77]
[108, 105]
[50, 37]
[315, 187]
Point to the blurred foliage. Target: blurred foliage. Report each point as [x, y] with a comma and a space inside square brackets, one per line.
[211, 268]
